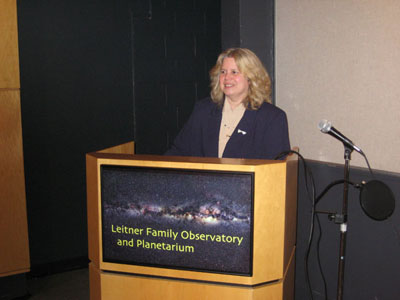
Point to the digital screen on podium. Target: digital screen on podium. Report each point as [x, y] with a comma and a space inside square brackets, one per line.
[194, 220]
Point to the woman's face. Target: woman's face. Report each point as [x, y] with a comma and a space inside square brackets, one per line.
[232, 82]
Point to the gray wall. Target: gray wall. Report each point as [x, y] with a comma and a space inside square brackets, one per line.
[339, 60]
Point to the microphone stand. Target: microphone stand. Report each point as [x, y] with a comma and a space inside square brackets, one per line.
[342, 220]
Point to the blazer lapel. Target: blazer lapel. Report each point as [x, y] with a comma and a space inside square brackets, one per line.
[211, 134]
[238, 144]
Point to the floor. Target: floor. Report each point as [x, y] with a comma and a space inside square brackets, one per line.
[71, 285]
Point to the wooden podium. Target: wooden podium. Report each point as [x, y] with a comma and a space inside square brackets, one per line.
[266, 273]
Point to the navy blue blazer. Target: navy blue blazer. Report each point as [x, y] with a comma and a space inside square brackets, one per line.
[260, 134]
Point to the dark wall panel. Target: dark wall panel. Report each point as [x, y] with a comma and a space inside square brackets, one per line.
[175, 45]
[255, 15]
[230, 23]
[373, 247]
[251, 24]
[97, 73]
[76, 95]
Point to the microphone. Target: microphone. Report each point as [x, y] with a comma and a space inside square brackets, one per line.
[326, 127]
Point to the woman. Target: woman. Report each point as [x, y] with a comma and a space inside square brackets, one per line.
[238, 120]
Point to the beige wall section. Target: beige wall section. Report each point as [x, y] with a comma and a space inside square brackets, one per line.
[340, 60]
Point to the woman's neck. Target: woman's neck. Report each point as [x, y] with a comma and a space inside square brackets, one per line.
[233, 104]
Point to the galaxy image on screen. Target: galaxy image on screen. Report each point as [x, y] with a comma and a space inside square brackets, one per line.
[195, 220]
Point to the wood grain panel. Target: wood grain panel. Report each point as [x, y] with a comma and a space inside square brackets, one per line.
[127, 148]
[9, 62]
[119, 286]
[292, 165]
[14, 248]
[104, 286]
[93, 209]
[269, 219]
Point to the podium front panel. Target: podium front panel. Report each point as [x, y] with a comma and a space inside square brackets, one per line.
[205, 220]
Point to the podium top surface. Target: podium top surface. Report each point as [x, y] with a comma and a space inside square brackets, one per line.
[185, 159]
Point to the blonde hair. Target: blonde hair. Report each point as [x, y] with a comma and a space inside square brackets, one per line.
[252, 68]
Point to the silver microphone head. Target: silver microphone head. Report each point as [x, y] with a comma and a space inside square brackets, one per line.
[324, 126]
